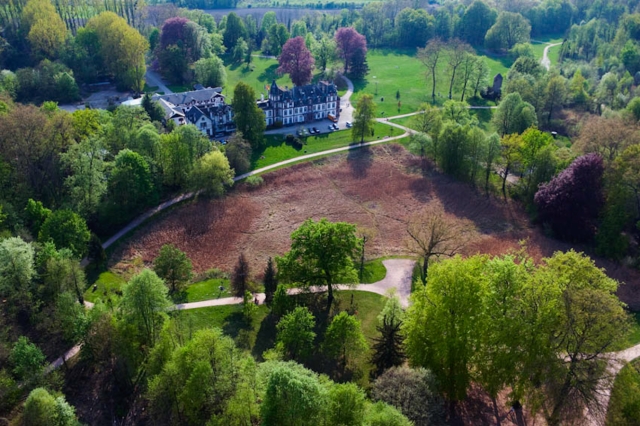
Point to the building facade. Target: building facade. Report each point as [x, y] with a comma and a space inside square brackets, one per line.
[204, 108]
[299, 105]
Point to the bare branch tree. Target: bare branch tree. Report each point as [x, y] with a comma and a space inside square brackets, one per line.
[434, 234]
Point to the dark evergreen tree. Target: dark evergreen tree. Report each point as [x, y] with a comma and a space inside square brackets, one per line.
[387, 349]
[270, 281]
[152, 108]
[240, 277]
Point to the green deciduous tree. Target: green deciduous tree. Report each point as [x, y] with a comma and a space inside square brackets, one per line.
[16, 268]
[476, 21]
[344, 340]
[449, 303]
[293, 397]
[514, 115]
[36, 214]
[64, 273]
[173, 266]
[210, 72]
[87, 182]
[143, 304]
[364, 119]
[130, 184]
[211, 173]
[295, 333]
[42, 408]
[238, 151]
[249, 119]
[381, 414]
[27, 359]
[347, 404]
[510, 29]
[321, 254]
[66, 229]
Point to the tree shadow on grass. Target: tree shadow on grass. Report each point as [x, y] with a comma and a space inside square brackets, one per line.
[234, 323]
[360, 161]
[266, 336]
[269, 74]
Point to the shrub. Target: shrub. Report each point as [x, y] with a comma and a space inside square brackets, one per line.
[254, 181]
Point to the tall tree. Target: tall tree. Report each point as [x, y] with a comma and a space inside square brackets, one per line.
[173, 266]
[296, 60]
[510, 29]
[42, 408]
[211, 174]
[295, 333]
[324, 52]
[234, 30]
[17, 268]
[514, 115]
[571, 203]
[457, 52]
[430, 56]
[249, 119]
[66, 229]
[344, 340]
[450, 304]
[322, 254]
[511, 148]
[130, 185]
[434, 234]
[364, 120]
[349, 43]
[87, 182]
[387, 349]
[238, 151]
[270, 281]
[210, 72]
[476, 21]
[240, 277]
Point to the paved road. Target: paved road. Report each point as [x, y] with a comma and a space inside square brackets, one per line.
[546, 62]
[154, 79]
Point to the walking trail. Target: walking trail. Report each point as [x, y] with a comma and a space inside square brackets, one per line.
[154, 79]
[546, 62]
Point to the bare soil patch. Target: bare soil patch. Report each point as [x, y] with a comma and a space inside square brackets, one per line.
[378, 188]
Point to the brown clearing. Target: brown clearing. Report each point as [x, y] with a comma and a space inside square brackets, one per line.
[377, 188]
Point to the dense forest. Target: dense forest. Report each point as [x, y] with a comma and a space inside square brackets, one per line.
[556, 136]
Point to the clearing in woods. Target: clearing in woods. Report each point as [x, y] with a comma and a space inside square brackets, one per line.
[378, 189]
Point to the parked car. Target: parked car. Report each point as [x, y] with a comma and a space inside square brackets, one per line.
[335, 127]
[330, 127]
[349, 124]
[311, 132]
[316, 131]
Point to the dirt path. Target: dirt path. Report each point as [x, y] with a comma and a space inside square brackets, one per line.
[546, 62]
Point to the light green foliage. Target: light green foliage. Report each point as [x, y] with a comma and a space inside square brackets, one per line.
[634, 108]
[87, 182]
[173, 266]
[196, 381]
[248, 117]
[179, 152]
[392, 311]
[210, 72]
[43, 409]
[420, 144]
[130, 185]
[295, 333]
[381, 414]
[293, 397]
[64, 273]
[522, 50]
[514, 115]
[16, 267]
[364, 119]
[249, 308]
[211, 173]
[144, 300]
[27, 359]
[347, 404]
[449, 302]
[66, 229]
[476, 21]
[624, 408]
[240, 50]
[321, 254]
[344, 340]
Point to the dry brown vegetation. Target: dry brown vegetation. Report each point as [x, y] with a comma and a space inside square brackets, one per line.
[378, 189]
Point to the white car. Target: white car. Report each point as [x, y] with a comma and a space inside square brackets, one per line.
[349, 124]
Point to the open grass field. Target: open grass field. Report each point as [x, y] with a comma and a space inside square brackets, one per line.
[624, 405]
[373, 271]
[106, 287]
[261, 72]
[391, 71]
[276, 150]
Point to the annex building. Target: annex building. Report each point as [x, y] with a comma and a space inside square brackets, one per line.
[298, 105]
[204, 107]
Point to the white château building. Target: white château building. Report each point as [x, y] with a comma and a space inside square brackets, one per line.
[301, 104]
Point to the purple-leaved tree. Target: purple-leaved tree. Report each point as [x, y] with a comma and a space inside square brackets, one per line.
[351, 45]
[296, 60]
[571, 202]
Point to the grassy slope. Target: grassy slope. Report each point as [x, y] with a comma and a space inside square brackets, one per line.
[106, 284]
[276, 150]
[374, 271]
[400, 70]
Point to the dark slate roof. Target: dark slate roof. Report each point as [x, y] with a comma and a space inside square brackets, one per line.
[188, 97]
[304, 93]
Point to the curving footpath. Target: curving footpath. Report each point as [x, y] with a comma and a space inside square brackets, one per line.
[398, 277]
[545, 61]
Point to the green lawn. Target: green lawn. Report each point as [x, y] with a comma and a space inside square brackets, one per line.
[624, 405]
[484, 118]
[106, 287]
[275, 149]
[209, 289]
[179, 88]
[396, 70]
[373, 272]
